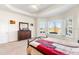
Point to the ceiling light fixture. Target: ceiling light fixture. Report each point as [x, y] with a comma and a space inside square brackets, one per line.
[34, 6]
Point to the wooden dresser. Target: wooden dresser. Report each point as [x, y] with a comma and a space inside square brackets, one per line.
[24, 34]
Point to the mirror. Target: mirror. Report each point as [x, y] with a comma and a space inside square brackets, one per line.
[23, 26]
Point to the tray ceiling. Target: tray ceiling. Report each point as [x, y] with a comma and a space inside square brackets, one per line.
[38, 10]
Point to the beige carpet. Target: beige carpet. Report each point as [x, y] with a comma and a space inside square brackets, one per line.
[14, 48]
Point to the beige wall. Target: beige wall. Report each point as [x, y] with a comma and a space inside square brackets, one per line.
[73, 13]
[8, 32]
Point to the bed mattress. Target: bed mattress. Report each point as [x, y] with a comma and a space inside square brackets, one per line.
[51, 48]
[46, 47]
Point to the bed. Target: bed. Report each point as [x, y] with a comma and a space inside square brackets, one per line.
[52, 46]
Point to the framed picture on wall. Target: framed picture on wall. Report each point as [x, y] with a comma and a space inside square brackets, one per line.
[23, 26]
[12, 21]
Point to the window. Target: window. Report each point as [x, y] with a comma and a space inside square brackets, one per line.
[69, 27]
[42, 27]
[50, 27]
[54, 26]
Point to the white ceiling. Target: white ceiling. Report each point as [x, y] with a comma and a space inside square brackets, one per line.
[28, 7]
[38, 10]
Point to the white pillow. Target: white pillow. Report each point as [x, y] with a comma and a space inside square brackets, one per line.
[64, 51]
[35, 44]
[75, 49]
[62, 47]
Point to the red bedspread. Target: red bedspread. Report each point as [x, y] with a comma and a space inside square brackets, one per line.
[47, 48]
[49, 51]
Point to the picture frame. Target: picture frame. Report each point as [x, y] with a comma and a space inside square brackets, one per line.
[12, 21]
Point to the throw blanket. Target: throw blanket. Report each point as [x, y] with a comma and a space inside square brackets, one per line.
[46, 47]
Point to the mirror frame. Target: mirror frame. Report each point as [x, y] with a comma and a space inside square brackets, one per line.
[23, 23]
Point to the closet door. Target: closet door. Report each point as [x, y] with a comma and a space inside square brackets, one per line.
[3, 31]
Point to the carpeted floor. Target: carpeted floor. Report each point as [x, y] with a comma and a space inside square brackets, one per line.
[14, 48]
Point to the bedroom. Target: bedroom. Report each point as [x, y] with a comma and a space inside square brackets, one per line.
[53, 22]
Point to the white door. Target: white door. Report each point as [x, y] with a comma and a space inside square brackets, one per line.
[3, 31]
